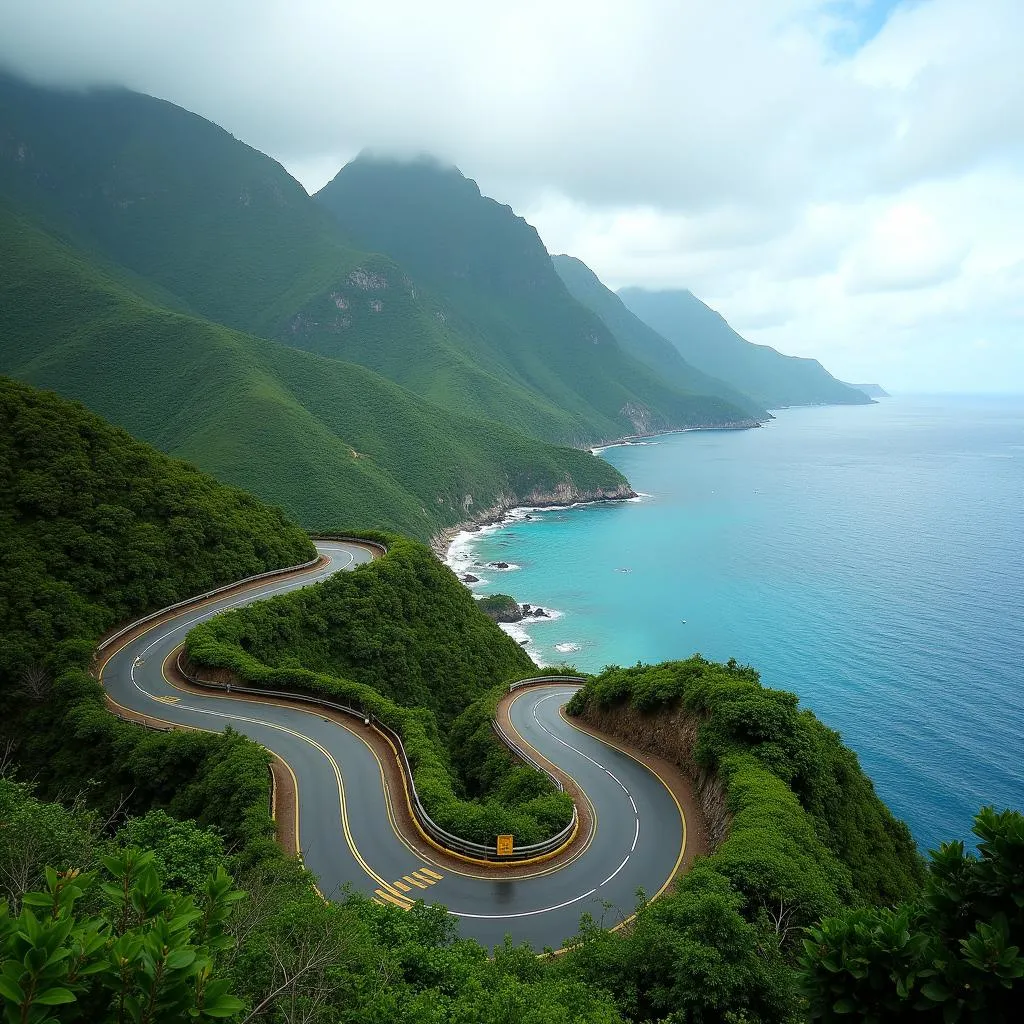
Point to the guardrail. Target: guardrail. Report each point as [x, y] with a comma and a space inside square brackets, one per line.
[233, 586]
[447, 840]
[202, 597]
[539, 680]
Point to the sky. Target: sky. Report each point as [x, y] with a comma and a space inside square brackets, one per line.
[839, 178]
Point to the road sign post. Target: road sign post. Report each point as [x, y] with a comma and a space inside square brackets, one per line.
[505, 846]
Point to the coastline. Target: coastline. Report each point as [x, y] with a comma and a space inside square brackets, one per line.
[641, 439]
[563, 496]
[512, 506]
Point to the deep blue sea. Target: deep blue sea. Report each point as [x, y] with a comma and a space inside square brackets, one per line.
[868, 558]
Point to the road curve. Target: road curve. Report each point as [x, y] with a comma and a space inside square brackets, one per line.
[346, 829]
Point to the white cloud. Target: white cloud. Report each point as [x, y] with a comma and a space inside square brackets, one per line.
[863, 207]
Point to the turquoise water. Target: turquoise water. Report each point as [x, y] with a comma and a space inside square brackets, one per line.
[868, 558]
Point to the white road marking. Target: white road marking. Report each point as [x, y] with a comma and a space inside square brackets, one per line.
[615, 872]
[527, 913]
[264, 592]
[268, 590]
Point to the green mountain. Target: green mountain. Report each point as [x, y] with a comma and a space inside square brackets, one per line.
[705, 340]
[641, 341]
[493, 282]
[332, 443]
[871, 390]
[200, 222]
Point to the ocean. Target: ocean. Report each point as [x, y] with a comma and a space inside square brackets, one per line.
[868, 558]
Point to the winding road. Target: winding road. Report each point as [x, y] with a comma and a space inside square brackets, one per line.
[345, 823]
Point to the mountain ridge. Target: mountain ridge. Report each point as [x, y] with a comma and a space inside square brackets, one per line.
[333, 443]
[704, 338]
[641, 340]
[489, 269]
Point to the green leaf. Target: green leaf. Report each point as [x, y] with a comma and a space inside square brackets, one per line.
[223, 1006]
[180, 958]
[11, 990]
[935, 991]
[55, 996]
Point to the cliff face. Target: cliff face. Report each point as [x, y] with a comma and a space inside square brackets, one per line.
[671, 734]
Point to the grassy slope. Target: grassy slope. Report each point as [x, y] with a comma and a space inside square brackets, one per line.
[281, 423]
[493, 279]
[207, 225]
[641, 341]
[706, 341]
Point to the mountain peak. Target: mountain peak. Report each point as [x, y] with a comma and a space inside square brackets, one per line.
[403, 172]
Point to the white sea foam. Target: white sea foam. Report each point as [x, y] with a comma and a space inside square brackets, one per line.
[566, 648]
[552, 615]
[515, 630]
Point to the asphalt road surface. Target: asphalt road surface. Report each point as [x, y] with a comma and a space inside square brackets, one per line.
[347, 835]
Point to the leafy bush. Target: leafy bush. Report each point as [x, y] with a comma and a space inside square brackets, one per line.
[954, 954]
[144, 956]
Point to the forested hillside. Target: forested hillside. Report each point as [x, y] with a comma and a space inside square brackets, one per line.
[641, 341]
[202, 223]
[706, 341]
[96, 528]
[332, 443]
[495, 282]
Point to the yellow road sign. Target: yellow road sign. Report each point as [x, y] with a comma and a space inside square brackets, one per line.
[504, 846]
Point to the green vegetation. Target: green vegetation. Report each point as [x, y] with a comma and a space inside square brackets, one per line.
[145, 955]
[97, 528]
[500, 608]
[127, 227]
[706, 341]
[494, 283]
[382, 639]
[271, 942]
[643, 342]
[197, 221]
[953, 954]
[332, 443]
[797, 795]
[806, 837]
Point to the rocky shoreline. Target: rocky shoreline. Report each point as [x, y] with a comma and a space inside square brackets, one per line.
[563, 496]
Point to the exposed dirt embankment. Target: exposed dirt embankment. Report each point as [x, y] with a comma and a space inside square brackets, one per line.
[671, 735]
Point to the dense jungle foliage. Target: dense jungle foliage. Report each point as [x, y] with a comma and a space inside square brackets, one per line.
[773, 755]
[383, 638]
[954, 953]
[97, 528]
[198, 222]
[77, 892]
[495, 284]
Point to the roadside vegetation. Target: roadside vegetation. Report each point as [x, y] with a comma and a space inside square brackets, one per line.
[402, 639]
[139, 875]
